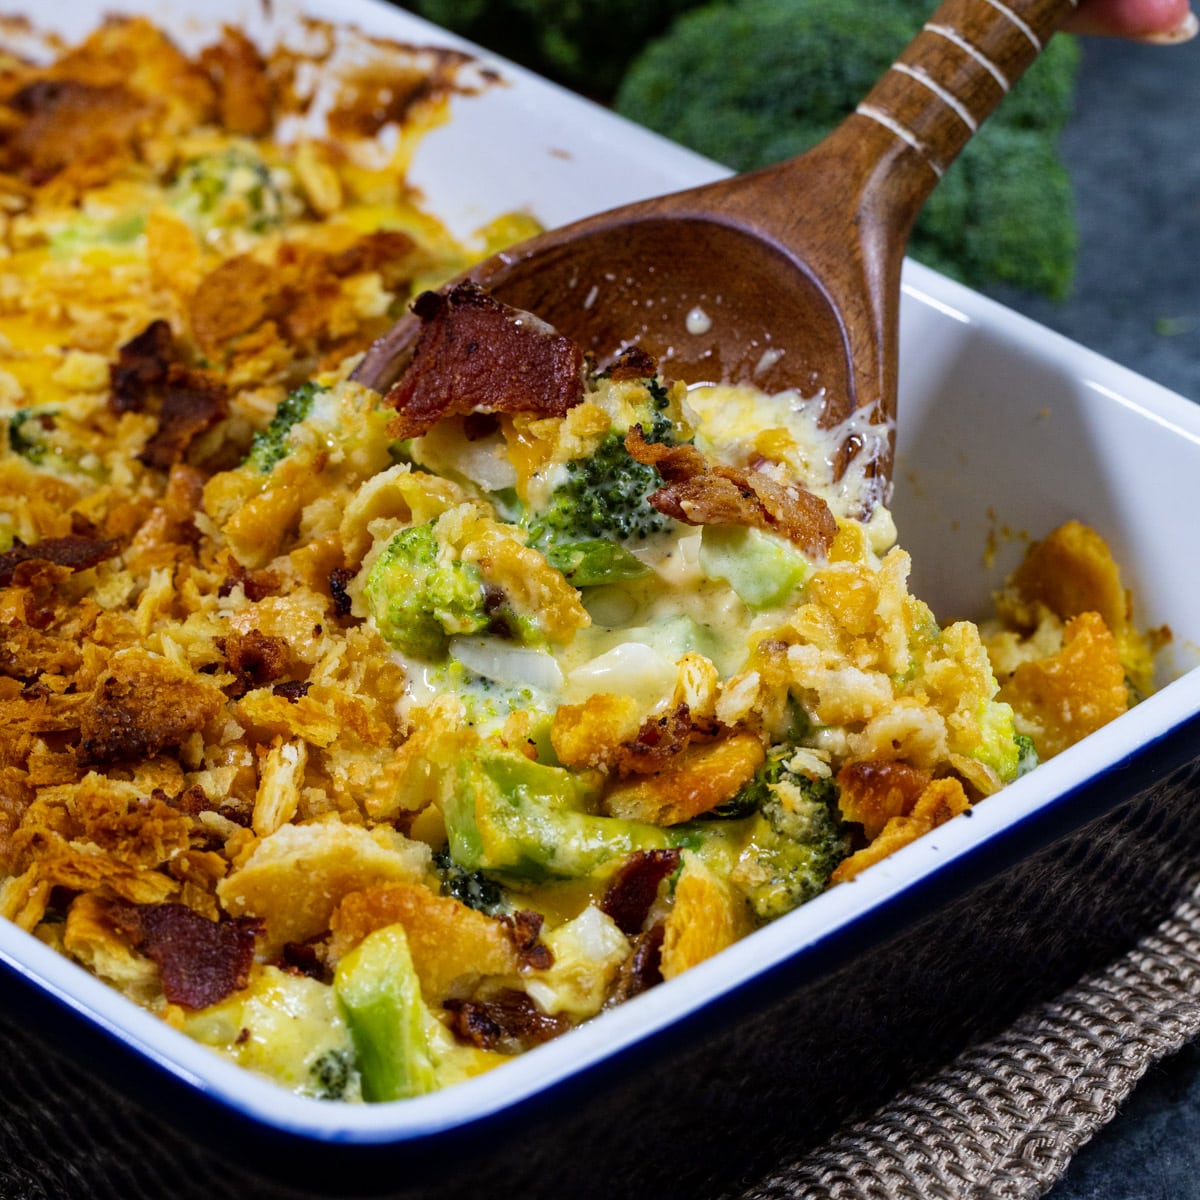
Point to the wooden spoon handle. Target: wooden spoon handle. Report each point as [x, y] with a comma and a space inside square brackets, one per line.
[957, 69]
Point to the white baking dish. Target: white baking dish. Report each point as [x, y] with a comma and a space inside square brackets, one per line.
[1005, 430]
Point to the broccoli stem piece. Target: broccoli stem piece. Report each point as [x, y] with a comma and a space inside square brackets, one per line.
[506, 813]
[380, 996]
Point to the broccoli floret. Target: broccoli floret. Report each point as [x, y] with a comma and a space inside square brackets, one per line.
[753, 83]
[795, 841]
[604, 503]
[27, 431]
[330, 1074]
[270, 445]
[1027, 755]
[472, 888]
[44, 438]
[420, 595]
[234, 190]
[578, 42]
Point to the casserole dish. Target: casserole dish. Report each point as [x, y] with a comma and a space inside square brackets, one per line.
[810, 1015]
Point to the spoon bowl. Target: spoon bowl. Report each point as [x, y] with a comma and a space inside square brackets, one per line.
[787, 277]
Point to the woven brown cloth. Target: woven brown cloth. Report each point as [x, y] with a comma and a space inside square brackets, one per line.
[1003, 1120]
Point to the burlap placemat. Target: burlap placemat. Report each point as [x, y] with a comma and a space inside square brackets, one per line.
[1004, 1119]
[1001, 1121]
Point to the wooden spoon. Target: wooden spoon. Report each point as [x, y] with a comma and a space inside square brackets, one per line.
[786, 277]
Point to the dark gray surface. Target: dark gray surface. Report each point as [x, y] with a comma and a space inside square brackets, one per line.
[1133, 148]
[1134, 151]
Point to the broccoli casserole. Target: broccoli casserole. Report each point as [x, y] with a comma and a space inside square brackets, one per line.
[372, 740]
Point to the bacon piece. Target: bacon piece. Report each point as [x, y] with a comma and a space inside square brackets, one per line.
[141, 367]
[243, 86]
[254, 659]
[698, 492]
[633, 889]
[632, 363]
[476, 353]
[662, 738]
[339, 578]
[74, 551]
[525, 928]
[508, 1022]
[642, 970]
[200, 961]
[193, 403]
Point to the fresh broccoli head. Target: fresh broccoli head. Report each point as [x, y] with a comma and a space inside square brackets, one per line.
[756, 82]
[234, 189]
[420, 594]
[586, 43]
[795, 841]
[270, 445]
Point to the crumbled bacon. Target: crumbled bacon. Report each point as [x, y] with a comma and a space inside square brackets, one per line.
[699, 492]
[476, 353]
[642, 970]
[660, 739]
[200, 961]
[339, 578]
[254, 660]
[141, 367]
[508, 1022]
[633, 889]
[632, 363]
[257, 585]
[292, 690]
[525, 929]
[75, 552]
[193, 403]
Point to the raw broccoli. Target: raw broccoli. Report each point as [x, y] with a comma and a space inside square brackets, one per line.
[756, 82]
[270, 445]
[527, 820]
[420, 595]
[234, 190]
[795, 841]
[584, 43]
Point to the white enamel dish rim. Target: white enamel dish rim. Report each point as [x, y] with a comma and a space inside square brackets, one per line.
[572, 165]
